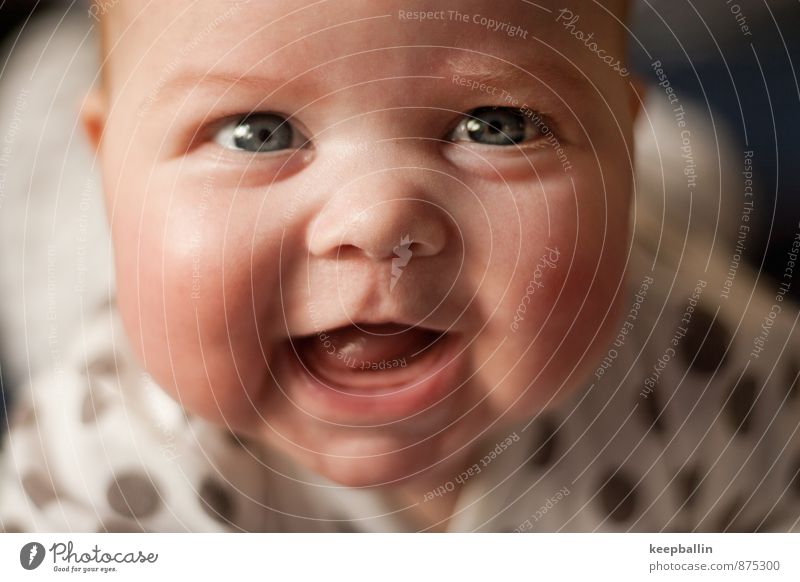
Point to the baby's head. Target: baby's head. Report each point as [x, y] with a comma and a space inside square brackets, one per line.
[366, 232]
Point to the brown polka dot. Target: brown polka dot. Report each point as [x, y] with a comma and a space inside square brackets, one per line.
[105, 365]
[216, 501]
[24, 416]
[771, 522]
[794, 477]
[728, 516]
[133, 495]
[546, 442]
[688, 482]
[650, 408]
[618, 496]
[740, 403]
[703, 348]
[39, 487]
[92, 407]
[792, 379]
[106, 302]
[234, 439]
[241, 442]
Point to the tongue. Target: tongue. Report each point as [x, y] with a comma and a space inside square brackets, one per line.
[370, 348]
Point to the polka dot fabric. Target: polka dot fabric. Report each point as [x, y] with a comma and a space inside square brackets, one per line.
[681, 428]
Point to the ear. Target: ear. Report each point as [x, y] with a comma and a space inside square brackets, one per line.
[93, 114]
[638, 92]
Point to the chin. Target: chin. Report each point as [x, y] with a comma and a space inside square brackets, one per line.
[365, 472]
[387, 473]
[385, 461]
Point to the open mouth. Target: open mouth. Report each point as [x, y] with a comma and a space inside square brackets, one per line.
[369, 357]
[385, 370]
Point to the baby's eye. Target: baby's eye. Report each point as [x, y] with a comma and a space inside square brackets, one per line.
[497, 126]
[259, 133]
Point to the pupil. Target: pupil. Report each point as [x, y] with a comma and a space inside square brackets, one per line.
[496, 126]
[265, 134]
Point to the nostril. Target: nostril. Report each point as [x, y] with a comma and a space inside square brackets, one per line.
[421, 249]
[386, 231]
[413, 249]
[347, 251]
[416, 248]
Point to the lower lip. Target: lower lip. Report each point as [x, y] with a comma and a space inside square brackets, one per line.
[436, 375]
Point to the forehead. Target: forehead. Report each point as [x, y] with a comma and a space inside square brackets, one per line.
[364, 36]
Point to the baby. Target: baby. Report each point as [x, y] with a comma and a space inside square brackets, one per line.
[381, 255]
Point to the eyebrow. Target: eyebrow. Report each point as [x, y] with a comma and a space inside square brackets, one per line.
[502, 74]
[175, 86]
[507, 75]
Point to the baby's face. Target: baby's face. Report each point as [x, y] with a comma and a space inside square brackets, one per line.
[364, 237]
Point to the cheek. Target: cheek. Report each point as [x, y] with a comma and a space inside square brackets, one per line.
[560, 307]
[572, 245]
[593, 233]
[186, 296]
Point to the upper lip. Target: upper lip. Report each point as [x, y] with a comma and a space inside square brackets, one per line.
[374, 322]
[361, 307]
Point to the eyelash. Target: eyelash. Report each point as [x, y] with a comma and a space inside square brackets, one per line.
[235, 129]
[504, 126]
[471, 122]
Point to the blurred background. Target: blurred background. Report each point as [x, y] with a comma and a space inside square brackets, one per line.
[14, 12]
[732, 62]
[745, 79]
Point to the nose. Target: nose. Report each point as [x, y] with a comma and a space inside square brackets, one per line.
[379, 218]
